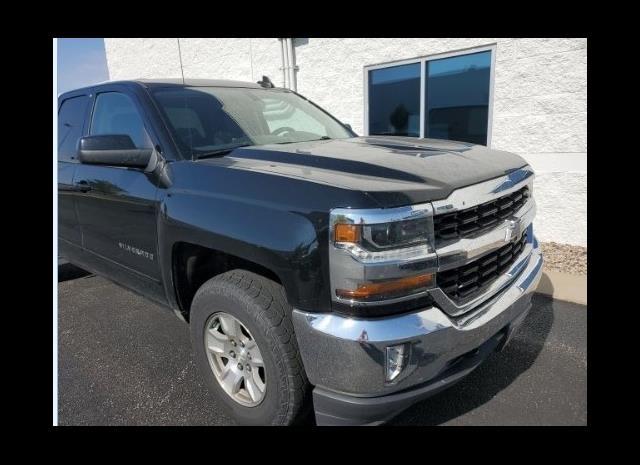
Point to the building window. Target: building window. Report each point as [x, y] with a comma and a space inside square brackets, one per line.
[445, 97]
[394, 100]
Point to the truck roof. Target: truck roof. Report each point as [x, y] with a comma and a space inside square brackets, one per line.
[195, 83]
[171, 82]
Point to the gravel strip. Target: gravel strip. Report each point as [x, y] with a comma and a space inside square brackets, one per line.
[565, 258]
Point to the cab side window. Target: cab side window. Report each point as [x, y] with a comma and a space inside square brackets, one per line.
[115, 113]
[70, 121]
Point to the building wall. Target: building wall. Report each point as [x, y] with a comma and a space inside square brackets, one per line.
[539, 96]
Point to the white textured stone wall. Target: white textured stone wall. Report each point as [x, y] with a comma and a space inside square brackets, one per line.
[241, 59]
[539, 104]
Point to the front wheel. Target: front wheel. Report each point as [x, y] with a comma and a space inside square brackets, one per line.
[245, 347]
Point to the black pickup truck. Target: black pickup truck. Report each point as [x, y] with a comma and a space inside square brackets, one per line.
[318, 271]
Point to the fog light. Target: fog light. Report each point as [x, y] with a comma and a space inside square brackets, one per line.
[396, 360]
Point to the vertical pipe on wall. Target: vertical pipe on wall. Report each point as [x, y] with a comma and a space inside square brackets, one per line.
[287, 54]
[288, 58]
[283, 60]
[292, 65]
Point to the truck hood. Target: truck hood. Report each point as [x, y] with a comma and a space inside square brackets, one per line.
[393, 171]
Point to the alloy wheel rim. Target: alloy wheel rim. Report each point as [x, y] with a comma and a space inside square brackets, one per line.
[235, 359]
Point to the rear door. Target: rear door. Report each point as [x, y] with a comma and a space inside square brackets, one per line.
[72, 112]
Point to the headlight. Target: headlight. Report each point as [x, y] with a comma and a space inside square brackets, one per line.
[384, 236]
[381, 256]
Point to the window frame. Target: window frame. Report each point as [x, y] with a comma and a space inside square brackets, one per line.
[423, 60]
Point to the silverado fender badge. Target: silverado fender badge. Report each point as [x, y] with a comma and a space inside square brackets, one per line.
[135, 250]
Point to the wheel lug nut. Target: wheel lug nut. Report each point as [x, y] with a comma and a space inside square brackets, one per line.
[241, 344]
[233, 343]
[239, 366]
[232, 354]
[248, 367]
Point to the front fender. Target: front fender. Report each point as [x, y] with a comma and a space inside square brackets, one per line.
[286, 242]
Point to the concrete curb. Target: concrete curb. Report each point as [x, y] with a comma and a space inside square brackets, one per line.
[563, 286]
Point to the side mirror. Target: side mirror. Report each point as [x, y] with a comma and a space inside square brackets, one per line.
[112, 149]
[348, 126]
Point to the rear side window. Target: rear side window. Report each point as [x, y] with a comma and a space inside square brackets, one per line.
[115, 113]
[70, 121]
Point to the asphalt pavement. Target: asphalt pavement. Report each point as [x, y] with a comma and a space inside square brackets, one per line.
[123, 360]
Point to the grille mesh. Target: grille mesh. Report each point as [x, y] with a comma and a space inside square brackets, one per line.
[463, 223]
[469, 280]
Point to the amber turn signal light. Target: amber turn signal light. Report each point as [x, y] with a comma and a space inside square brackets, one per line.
[387, 289]
[347, 232]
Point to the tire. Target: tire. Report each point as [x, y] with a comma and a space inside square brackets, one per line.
[260, 305]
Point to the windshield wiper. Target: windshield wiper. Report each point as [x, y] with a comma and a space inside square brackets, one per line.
[301, 141]
[221, 151]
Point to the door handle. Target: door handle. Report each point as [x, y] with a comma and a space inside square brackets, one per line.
[72, 188]
[82, 186]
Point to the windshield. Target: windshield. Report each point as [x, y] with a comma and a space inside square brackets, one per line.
[209, 120]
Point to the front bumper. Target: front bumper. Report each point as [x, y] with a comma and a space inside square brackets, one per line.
[344, 357]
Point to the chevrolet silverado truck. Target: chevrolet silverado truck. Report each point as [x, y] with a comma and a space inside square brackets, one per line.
[320, 273]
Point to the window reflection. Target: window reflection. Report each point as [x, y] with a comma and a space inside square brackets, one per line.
[457, 98]
[394, 101]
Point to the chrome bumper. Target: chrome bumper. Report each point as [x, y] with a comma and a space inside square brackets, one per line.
[346, 356]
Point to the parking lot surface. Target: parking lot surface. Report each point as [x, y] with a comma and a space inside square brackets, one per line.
[125, 361]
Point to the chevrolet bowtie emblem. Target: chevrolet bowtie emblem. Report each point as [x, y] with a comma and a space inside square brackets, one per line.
[512, 228]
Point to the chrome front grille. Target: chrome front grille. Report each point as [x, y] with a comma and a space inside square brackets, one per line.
[468, 281]
[470, 221]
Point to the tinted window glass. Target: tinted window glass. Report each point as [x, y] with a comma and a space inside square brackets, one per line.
[206, 119]
[394, 100]
[281, 115]
[115, 113]
[70, 121]
[457, 98]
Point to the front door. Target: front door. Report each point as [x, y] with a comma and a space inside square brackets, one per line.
[118, 213]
